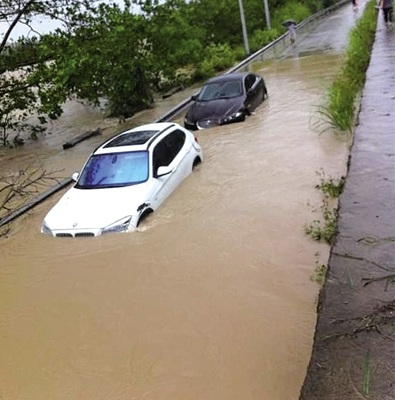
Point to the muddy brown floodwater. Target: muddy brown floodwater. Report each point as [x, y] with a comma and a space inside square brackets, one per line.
[211, 299]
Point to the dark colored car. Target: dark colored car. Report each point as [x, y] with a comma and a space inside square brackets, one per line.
[225, 99]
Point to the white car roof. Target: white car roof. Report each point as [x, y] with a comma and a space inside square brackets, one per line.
[135, 139]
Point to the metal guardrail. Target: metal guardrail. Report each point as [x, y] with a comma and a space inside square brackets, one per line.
[179, 108]
[37, 200]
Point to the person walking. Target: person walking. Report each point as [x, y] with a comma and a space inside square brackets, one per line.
[292, 32]
[387, 7]
[290, 24]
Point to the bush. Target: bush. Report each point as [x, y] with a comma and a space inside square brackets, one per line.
[217, 58]
[261, 38]
[291, 10]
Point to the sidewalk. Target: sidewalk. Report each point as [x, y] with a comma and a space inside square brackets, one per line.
[353, 355]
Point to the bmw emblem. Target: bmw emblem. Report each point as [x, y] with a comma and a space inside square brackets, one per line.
[75, 224]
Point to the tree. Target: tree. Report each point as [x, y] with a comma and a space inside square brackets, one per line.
[22, 94]
[104, 57]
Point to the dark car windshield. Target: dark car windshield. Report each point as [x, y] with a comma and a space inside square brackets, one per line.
[114, 170]
[220, 90]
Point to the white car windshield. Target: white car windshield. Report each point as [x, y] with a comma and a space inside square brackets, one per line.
[223, 90]
[114, 170]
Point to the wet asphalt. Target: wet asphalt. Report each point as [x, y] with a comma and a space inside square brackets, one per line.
[362, 365]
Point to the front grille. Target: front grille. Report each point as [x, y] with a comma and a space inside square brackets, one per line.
[84, 234]
[79, 234]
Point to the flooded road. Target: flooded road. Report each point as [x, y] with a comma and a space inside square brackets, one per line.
[211, 299]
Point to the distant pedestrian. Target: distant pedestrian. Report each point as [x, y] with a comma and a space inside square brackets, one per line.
[354, 4]
[292, 32]
[386, 6]
[291, 25]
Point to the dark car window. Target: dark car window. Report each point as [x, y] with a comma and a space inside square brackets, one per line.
[232, 89]
[167, 149]
[209, 91]
[220, 90]
[249, 81]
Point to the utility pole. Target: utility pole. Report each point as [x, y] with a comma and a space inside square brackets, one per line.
[267, 14]
[243, 25]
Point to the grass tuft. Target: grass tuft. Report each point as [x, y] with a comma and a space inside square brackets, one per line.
[339, 109]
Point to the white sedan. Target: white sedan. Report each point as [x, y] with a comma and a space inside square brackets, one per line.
[125, 179]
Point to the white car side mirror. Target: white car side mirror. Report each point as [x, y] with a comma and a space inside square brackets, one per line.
[162, 171]
[75, 176]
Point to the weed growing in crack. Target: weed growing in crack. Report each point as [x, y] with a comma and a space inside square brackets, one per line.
[319, 273]
[329, 186]
[326, 229]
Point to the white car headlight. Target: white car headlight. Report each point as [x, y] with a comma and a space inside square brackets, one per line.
[45, 229]
[118, 226]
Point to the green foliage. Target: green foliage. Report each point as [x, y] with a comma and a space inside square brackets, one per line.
[23, 93]
[289, 10]
[217, 58]
[239, 52]
[338, 112]
[261, 38]
[173, 45]
[22, 52]
[323, 230]
[17, 101]
[314, 5]
[330, 187]
[319, 274]
[108, 57]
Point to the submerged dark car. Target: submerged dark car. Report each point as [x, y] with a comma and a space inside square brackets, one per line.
[225, 99]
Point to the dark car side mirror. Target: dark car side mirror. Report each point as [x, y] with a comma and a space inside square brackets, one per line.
[194, 97]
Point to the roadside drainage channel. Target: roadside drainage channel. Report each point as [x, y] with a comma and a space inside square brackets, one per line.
[271, 48]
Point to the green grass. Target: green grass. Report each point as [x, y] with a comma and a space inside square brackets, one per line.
[339, 109]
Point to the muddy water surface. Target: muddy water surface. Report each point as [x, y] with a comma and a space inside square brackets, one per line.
[211, 299]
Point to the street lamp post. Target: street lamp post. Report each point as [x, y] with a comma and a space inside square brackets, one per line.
[267, 14]
[243, 25]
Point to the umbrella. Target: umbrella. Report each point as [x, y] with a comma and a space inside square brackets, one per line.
[289, 22]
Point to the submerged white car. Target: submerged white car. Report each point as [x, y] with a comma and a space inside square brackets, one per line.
[125, 179]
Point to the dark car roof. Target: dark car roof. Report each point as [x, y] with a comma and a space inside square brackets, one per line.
[229, 77]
